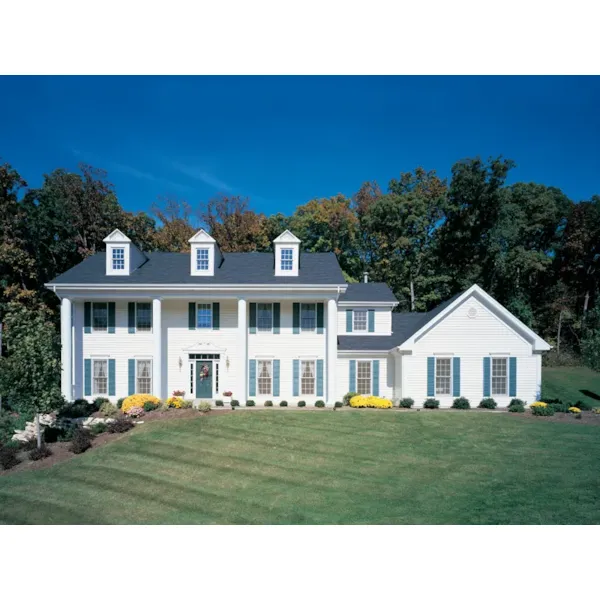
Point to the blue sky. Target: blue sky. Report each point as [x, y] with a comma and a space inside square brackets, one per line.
[284, 140]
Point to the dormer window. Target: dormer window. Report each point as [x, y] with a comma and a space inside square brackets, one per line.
[118, 259]
[360, 320]
[202, 259]
[287, 259]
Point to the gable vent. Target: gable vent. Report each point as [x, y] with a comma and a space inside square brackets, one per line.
[472, 312]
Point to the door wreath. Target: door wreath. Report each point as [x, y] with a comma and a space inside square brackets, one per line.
[204, 372]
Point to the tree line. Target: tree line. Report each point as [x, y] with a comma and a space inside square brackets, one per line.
[529, 245]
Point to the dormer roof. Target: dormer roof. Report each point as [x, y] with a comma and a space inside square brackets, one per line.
[201, 237]
[116, 236]
[287, 237]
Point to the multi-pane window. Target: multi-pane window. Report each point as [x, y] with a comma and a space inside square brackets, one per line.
[287, 259]
[118, 259]
[144, 377]
[143, 316]
[308, 317]
[204, 316]
[360, 320]
[100, 316]
[363, 377]
[264, 316]
[202, 259]
[307, 378]
[100, 377]
[443, 376]
[264, 377]
[499, 376]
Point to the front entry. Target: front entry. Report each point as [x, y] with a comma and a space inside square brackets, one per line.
[204, 379]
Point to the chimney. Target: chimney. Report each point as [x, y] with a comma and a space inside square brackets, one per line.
[366, 277]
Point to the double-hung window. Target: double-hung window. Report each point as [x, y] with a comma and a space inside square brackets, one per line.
[202, 259]
[499, 376]
[363, 377]
[144, 376]
[100, 376]
[265, 377]
[100, 316]
[287, 259]
[143, 316]
[118, 259]
[307, 379]
[264, 316]
[360, 320]
[443, 376]
[308, 317]
[204, 316]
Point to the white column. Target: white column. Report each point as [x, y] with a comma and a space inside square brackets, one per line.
[66, 350]
[157, 355]
[242, 370]
[331, 361]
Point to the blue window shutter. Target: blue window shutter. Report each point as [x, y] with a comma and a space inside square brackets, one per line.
[252, 372]
[512, 376]
[371, 315]
[252, 322]
[296, 317]
[348, 320]
[111, 317]
[431, 376]
[320, 317]
[352, 377]
[486, 376]
[192, 315]
[111, 377]
[276, 317]
[375, 378]
[87, 376]
[131, 317]
[87, 317]
[456, 376]
[131, 376]
[320, 377]
[296, 374]
[216, 315]
[276, 377]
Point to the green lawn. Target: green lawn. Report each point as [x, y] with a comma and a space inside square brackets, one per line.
[569, 383]
[348, 466]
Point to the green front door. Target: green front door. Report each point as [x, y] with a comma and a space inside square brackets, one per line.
[204, 383]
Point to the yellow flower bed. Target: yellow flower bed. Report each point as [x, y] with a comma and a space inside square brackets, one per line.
[138, 400]
[370, 402]
[175, 402]
[574, 409]
[542, 404]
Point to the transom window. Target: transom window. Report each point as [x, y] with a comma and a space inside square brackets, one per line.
[202, 259]
[363, 377]
[308, 317]
[100, 377]
[443, 376]
[265, 370]
[100, 316]
[118, 259]
[204, 316]
[287, 259]
[144, 377]
[307, 379]
[499, 384]
[264, 316]
[143, 316]
[360, 320]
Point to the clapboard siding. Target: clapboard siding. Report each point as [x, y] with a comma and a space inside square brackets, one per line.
[386, 373]
[471, 339]
[383, 321]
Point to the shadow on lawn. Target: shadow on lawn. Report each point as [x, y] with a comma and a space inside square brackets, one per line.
[590, 394]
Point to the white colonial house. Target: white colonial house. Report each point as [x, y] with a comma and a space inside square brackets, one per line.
[280, 326]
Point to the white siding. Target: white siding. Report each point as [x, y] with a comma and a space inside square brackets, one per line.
[383, 321]
[471, 339]
[386, 373]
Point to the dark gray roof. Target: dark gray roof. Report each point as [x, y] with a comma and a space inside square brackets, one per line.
[403, 326]
[317, 268]
[368, 292]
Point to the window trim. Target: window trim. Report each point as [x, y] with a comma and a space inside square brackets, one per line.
[435, 377]
[505, 377]
[198, 259]
[94, 329]
[135, 322]
[94, 361]
[284, 261]
[112, 258]
[258, 329]
[366, 313]
[370, 362]
[209, 304]
[137, 360]
[258, 392]
[302, 305]
[314, 378]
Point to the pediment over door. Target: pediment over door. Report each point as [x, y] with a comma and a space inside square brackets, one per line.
[205, 348]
